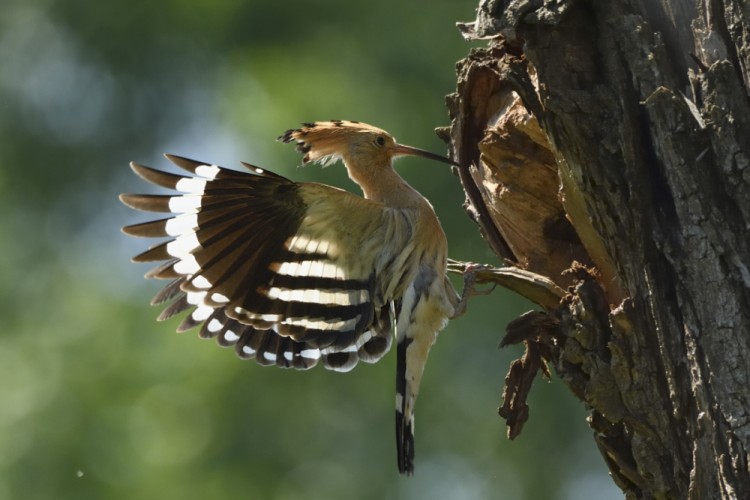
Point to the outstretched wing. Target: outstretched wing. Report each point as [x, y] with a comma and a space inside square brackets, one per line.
[279, 269]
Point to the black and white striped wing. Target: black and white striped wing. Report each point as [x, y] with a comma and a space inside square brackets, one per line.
[259, 262]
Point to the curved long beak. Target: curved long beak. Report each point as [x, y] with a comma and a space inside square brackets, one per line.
[402, 150]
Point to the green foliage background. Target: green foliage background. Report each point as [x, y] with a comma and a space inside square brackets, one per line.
[99, 401]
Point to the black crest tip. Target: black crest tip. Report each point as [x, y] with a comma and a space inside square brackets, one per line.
[286, 136]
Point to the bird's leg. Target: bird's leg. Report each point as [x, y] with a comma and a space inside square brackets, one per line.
[470, 290]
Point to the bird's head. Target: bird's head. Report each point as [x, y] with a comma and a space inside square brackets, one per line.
[357, 144]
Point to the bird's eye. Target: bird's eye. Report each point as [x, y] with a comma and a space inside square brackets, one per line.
[380, 140]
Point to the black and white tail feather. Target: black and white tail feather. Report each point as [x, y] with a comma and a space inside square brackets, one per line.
[252, 275]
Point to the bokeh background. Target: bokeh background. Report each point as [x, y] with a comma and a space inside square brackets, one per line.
[97, 400]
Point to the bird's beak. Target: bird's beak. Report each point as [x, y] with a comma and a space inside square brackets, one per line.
[402, 150]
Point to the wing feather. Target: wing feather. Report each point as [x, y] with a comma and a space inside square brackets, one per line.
[269, 266]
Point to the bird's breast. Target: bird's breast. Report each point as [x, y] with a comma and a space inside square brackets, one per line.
[414, 253]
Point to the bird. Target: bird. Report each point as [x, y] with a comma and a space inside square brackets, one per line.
[294, 274]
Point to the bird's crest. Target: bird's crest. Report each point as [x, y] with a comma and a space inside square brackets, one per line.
[325, 142]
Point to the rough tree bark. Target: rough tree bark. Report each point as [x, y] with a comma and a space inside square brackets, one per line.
[606, 153]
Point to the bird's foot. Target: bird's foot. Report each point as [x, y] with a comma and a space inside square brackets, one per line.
[470, 287]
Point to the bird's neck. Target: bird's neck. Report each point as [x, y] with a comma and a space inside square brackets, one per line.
[386, 186]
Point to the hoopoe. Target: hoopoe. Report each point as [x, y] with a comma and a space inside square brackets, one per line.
[293, 274]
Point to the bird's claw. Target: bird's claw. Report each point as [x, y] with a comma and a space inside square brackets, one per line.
[470, 290]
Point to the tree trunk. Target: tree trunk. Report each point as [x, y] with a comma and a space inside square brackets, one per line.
[606, 152]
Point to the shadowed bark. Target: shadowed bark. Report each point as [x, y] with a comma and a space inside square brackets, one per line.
[606, 153]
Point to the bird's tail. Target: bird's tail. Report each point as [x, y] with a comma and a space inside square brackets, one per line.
[411, 355]
[419, 322]
[405, 398]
